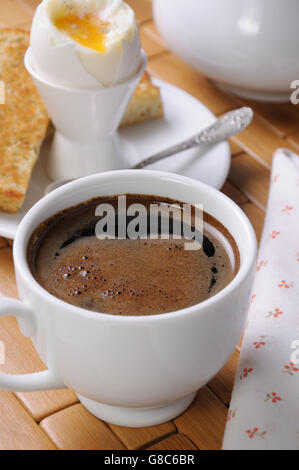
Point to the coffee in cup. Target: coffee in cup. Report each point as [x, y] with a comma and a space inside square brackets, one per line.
[154, 273]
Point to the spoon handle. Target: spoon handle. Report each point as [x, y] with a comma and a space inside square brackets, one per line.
[226, 126]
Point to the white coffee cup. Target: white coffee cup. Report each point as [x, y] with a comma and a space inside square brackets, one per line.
[132, 371]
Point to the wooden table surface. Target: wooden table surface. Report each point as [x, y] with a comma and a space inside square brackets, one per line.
[55, 419]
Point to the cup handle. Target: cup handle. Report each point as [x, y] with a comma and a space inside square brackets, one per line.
[44, 380]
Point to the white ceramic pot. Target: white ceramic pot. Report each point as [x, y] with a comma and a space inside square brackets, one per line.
[132, 371]
[249, 47]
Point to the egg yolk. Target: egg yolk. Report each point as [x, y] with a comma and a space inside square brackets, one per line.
[88, 30]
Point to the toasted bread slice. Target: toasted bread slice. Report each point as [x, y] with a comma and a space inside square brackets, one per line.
[23, 121]
[145, 105]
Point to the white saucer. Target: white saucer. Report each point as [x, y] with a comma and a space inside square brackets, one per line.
[184, 116]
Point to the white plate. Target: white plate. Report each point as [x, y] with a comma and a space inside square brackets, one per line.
[184, 116]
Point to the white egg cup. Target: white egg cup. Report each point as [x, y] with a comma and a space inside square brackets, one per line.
[86, 140]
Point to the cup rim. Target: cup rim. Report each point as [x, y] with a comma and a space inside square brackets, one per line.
[130, 80]
[25, 229]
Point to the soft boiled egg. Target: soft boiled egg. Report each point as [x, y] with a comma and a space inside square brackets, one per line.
[85, 43]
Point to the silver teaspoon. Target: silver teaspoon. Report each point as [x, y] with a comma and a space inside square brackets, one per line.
[224, 127]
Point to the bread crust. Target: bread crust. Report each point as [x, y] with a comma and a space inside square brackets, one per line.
[146, 104]
[23, 121]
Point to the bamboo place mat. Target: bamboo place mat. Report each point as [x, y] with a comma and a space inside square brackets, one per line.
[55, 419]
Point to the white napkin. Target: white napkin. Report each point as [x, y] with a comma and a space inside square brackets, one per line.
[264, 410]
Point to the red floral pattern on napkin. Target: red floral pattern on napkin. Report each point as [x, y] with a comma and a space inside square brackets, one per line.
[268, 419]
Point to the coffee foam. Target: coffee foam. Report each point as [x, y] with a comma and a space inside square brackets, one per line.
[223, 241]
[127, 277]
